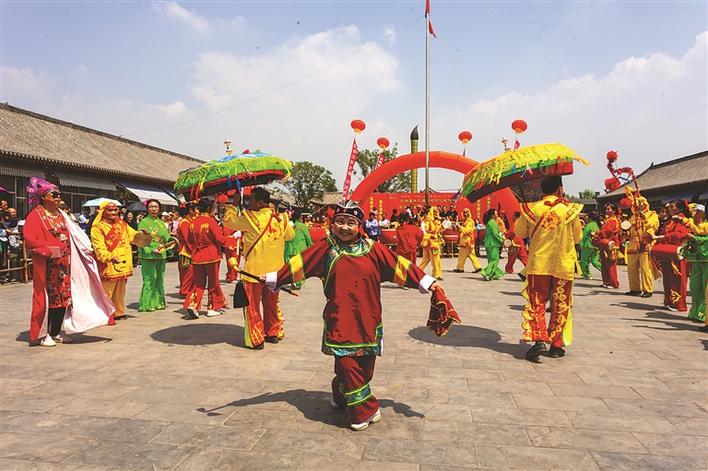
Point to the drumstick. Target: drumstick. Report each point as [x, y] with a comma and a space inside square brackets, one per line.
[258, 278]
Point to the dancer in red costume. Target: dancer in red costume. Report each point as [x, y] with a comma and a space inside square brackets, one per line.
[67, 286]
[609, 232]
[408, 238]
[517, 249]
[352, 269]
[204, 241]
[184, 263]
[674, 272]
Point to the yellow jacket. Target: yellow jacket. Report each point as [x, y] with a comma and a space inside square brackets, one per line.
[552, 245]
[650, 226]
[268, 253]
[467, 229]
[109, 269]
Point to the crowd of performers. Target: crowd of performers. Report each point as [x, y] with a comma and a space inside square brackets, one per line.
[80, 283]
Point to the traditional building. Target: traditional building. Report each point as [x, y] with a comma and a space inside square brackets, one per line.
[86, 163]
[685, 179]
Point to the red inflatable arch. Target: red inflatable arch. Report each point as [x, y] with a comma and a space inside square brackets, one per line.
[438, 159]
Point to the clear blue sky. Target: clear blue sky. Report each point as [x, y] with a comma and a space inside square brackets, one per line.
[595, 76]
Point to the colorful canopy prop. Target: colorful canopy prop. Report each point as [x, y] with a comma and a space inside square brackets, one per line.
[232, 172]
[521, 169]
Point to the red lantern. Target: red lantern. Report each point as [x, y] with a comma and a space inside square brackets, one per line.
[612, 156]
[382, 142]
[358, 126]
[465, 137]
[519, 126]
[222, 199]
[625, 203]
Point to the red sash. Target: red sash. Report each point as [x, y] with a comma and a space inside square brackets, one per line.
[115, 235]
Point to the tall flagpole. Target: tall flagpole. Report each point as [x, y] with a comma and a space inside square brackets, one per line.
[427, 109]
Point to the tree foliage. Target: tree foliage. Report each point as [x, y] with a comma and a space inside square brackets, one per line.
[587, 194]
[367, 161]
[309, 181]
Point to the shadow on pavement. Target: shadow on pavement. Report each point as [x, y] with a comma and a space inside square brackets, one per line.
[314, 405]
[77, 338]
[640, 306]
[469, 336]
[201, 334]
[672, 322]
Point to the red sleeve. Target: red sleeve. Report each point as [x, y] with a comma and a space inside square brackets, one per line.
[677, 235]
[609, 229]
[36, 238]
[419, 235]
[307, 264]
[396, 268]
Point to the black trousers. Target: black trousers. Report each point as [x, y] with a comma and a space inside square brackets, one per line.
[55, 320]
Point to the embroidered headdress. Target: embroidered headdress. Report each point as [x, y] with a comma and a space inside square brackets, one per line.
[349, 208]
[36, 189]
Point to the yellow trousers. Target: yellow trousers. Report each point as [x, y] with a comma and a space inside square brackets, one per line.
[465, 253]
[432, 255]
[115, 289]
[639, 272]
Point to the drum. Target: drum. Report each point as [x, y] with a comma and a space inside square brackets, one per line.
[508, 243]
[604, 244]
[446, 224]
[668, 252]
[626, 225]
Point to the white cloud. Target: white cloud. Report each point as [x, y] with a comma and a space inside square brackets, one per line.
[176, 108]
[390, 34]
[650, 108]
[177, 12]
[81, 69]
[25, 83]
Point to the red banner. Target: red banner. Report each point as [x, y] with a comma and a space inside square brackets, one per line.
[348, 179]
[380, 160]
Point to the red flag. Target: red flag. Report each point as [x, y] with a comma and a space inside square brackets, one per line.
[348, 179]
[427, 15]
[380, 160]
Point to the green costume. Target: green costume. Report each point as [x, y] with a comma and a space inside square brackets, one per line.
[697, 256]
[152, 265]
[492, 244]
[588, 252]
[300, 242]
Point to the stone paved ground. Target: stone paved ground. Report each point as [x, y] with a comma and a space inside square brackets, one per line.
[159, 392]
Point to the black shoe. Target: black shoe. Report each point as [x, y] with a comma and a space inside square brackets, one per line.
[272, 339]
[556, 352]
[120, 318]
[440, 278]
[645, 295]
[457, 270]
[535, 351]
[633, 293]
[477, 270]
[259, 347]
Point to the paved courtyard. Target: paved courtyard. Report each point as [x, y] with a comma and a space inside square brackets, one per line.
[159, 392]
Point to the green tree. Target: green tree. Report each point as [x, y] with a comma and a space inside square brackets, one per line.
[367, 161]
[588, 194]
[309, 181]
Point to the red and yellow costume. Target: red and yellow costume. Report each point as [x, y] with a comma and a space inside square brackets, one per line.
[517, 249]
[204, 242]
[553, 228]
[609, 231]
[232, 254]
[264, 233]
[644, 225]
[353, 330]
[432, 242]
[184, 263]
[111, 241]
[674, 272]
[467, 231]
[408, 239]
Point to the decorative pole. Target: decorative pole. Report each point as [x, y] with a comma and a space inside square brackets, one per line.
[414, 149]
[227, 143]
[427, 106]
